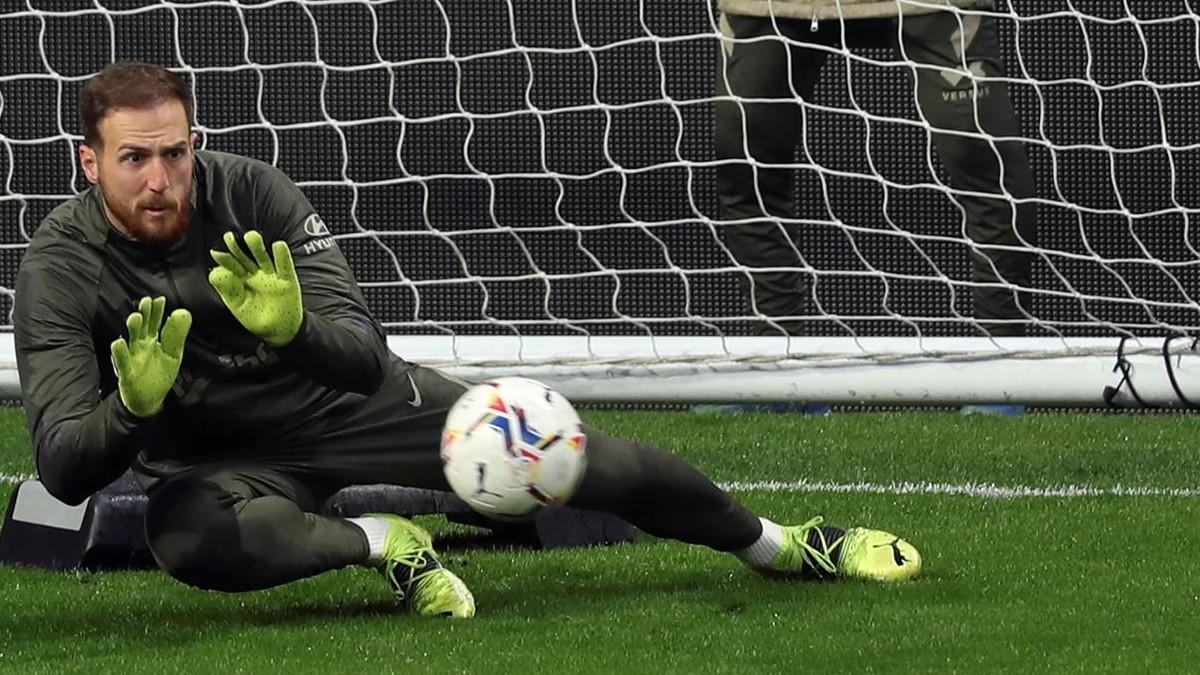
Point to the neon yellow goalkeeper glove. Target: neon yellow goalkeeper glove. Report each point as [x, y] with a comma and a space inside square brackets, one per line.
[263, 295]
[147, 365]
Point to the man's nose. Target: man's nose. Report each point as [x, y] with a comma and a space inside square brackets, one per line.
[157, 178]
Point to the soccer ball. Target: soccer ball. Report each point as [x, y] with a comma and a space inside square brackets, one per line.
[513, 446]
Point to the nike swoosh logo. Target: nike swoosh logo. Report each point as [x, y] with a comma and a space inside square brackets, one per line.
[416, 399]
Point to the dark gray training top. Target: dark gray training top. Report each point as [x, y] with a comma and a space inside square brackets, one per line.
[80, 279]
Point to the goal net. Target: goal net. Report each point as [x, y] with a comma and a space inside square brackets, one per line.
[530, 186]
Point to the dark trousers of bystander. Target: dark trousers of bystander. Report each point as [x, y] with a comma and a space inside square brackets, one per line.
[757, 143]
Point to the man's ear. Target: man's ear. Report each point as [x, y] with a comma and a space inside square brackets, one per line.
[90, 163]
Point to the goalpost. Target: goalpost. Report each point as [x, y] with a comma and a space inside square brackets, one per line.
[527, 187]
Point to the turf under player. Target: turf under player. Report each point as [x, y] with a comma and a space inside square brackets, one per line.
[773, 51]
[269, 386]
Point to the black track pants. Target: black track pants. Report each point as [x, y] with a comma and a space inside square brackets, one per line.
[253, 522]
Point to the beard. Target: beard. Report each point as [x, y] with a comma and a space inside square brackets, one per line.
[156, 229]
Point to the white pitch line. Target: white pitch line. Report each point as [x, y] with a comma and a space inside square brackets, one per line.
[980, 490]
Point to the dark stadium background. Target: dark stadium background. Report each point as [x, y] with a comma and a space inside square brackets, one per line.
[251, 64]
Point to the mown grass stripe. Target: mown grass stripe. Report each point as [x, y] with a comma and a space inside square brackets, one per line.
[981, 490]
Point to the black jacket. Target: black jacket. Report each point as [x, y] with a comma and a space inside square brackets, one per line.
[80, 279]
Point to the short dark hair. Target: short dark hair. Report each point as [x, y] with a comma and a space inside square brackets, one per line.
[128, 84]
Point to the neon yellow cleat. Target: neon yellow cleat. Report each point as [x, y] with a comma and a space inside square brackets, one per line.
[878, 556]
[813, 551]
[417, 578]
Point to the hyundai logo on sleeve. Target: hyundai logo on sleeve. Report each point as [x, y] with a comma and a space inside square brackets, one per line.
[321, 240]
[315, 227]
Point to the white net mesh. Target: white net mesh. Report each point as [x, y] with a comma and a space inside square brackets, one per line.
[547, 167]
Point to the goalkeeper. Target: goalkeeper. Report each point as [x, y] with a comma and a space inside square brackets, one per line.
[953, 52]
[190, 319]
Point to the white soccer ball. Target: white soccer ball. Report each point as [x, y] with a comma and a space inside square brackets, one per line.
[513, 446]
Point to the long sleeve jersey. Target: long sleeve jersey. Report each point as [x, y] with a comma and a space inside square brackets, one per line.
[79, 281]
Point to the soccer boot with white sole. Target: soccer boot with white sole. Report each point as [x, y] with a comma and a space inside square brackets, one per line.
[816, 551]
[417, 577]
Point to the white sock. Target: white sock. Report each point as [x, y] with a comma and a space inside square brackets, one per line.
[376, 530]
[761, 552]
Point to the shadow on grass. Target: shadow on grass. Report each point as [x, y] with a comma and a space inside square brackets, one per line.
[60, 617]
[89, 618]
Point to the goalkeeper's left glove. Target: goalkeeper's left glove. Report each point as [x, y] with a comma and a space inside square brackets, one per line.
[263, 295]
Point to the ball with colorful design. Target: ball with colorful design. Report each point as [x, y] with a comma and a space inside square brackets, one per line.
[513, 446]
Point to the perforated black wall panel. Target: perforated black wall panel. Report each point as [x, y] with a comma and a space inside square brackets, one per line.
[425, 122]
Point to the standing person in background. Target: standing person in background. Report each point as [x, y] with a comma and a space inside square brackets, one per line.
[774, 49]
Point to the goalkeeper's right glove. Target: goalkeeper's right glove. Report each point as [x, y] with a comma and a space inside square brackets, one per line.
[146, 366]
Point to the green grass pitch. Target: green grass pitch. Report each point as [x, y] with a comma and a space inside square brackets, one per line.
[1052, 543]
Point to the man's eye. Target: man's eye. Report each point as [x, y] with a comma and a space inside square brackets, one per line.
[131, 158]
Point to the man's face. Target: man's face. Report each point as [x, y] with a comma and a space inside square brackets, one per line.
[144, 170]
